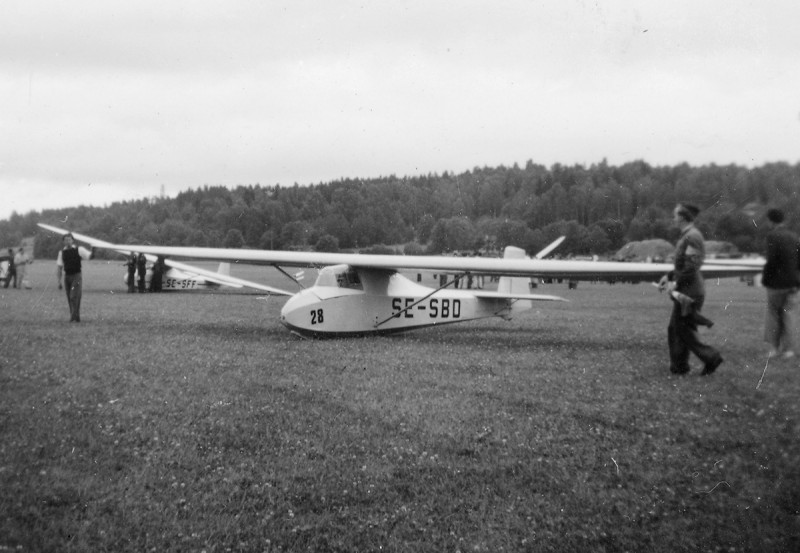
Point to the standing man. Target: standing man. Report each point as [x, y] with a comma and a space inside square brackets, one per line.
[781, 278]
[69, 261]
[141, 269]
[20, 261]
[156, 275]
[12, 269]
[131, 267]
[682, 333]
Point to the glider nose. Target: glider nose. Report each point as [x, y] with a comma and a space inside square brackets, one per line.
[299, 312]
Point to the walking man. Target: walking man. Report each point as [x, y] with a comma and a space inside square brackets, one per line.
[682, 335]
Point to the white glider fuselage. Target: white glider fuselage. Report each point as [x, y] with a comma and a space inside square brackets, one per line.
[348, 302]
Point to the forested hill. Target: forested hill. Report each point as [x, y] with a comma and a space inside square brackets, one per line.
[599, 208]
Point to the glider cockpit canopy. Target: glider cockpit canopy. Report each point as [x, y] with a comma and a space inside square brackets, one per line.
[339, 276]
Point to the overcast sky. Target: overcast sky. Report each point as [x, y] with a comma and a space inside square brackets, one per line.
[102, 101]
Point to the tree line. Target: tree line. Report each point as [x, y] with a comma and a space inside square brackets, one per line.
[598, 208]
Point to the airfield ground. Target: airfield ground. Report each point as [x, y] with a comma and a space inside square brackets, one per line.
[196, 422]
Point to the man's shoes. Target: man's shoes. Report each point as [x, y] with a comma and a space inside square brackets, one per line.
[711, 366]
[679, 371]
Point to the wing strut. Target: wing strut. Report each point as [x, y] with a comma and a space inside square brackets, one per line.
[509, 304]
[445, 285]
[290, 277]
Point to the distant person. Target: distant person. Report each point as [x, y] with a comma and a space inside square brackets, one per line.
[156, 275]
[682, 335]
[69, 261]
[20, 262]
[781, 278]
[131, 268]
[12, 269]
[141, 271]
[478, 277]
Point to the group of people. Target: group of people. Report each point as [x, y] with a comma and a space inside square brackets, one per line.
[16, 268]
[137, 267]
[780, 277]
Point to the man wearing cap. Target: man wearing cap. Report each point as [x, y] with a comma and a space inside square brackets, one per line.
[69, 261]
[682, 336]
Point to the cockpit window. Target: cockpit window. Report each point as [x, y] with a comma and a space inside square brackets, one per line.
[348, 279]
[340, 276]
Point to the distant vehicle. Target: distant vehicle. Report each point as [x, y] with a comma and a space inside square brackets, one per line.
[757, 262]
[5, 261]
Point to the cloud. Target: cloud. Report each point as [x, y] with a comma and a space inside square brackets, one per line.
[181, 94]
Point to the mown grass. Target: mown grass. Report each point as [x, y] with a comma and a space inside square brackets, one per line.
[195, 422]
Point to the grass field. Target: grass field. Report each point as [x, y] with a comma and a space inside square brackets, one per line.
[196, 422]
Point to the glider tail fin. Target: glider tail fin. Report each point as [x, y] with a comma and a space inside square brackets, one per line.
[515, 285]
[224, 269]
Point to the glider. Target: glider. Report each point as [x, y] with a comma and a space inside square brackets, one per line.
[356, 295]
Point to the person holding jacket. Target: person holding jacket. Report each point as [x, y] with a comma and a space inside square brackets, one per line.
[682, 335]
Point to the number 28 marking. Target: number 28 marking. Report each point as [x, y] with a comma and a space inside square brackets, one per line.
[317, 316]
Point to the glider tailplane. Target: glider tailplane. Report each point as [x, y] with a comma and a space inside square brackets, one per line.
[515, 285]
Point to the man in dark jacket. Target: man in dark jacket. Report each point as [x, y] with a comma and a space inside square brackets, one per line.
[69, 262]
[682, 336]
[141, 270]
[130, 265]
[781, 278]
[156, 275]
